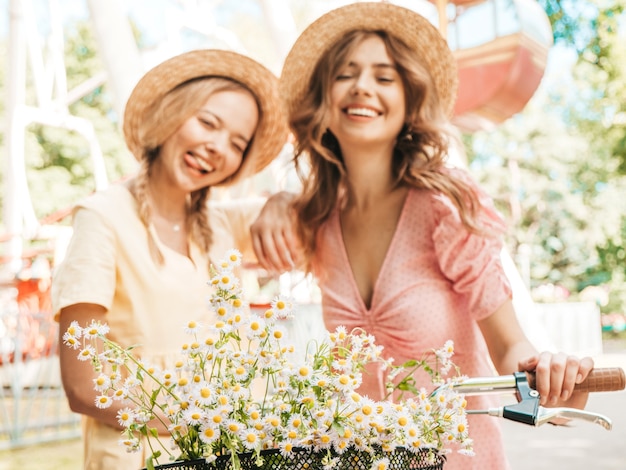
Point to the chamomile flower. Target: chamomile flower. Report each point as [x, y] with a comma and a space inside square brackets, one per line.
[101, 383]
[74, 330]
[225, 281]
[125, 417]
[132, 382]
[303, 372]
[250, 438]
[232, 259]
[203, 393]
[381, 464]
[193, 415]
[283, 307]
[286, 447]
[87, 353]
[345, 382]
[209, 433]
[221, 327]
[119, 394]
[103, 401]
[192, 328]
[132, 444]
[71, 340]
[255, 327]
[95, 329]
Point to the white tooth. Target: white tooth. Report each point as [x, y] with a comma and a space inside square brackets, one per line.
[362, 112]
[205, 166]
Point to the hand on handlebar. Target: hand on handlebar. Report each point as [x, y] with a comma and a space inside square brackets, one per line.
[556, 376]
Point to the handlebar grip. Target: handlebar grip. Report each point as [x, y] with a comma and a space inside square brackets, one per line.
[609, 379]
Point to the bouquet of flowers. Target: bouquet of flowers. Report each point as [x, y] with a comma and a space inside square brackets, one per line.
[241, 388]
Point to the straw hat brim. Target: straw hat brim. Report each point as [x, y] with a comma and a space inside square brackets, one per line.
[407, 25]
[271, 133]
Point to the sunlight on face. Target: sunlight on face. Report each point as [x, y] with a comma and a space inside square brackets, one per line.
[209, 146]
[367, 96]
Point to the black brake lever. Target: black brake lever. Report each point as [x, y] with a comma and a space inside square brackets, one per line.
[527, 409]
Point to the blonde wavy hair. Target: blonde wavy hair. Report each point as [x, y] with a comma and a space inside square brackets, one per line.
[420, 152]
[162, 119]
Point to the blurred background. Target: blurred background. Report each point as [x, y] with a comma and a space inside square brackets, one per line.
[541, 110]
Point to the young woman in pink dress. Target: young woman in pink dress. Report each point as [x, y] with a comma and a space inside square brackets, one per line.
[402, 245]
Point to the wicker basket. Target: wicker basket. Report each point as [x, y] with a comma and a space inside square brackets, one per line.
[306, 459]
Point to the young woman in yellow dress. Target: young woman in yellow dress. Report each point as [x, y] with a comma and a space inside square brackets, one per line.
[140, 253]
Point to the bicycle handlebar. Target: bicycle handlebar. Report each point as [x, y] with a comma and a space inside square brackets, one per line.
[528, 410]
[599, 380]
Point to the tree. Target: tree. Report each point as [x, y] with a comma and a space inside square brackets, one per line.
[557, 168]
[58, 159]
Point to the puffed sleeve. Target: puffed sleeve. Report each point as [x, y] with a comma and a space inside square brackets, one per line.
[472, 261]
[87, 273]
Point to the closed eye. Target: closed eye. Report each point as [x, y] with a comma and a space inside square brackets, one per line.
[344, 76]
[239, 148]
[211, 123]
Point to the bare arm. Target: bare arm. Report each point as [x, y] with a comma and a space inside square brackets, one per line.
[510, 351]
[77, 376]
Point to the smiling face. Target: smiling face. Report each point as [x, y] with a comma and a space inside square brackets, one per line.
[209, 146]
[367, 99]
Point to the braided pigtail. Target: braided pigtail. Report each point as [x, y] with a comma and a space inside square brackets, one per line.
[198, 218]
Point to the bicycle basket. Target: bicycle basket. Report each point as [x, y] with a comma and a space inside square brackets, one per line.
[308, 459]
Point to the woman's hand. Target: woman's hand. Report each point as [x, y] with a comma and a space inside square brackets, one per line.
[274, 240]
[556, 375]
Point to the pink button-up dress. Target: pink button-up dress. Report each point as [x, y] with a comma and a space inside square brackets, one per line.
[436, 282]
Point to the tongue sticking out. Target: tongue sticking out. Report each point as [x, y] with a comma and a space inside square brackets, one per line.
[200, 164]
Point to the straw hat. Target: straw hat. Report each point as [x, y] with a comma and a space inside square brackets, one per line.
[412, 28]
[272, 131]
